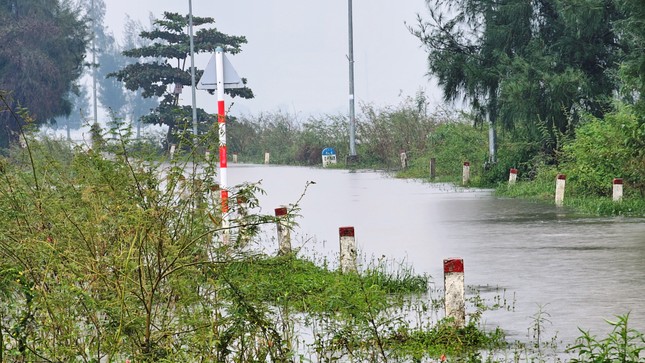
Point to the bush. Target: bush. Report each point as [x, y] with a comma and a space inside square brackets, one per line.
[605, 149]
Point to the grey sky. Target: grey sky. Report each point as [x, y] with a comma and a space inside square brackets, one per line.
[295, 59]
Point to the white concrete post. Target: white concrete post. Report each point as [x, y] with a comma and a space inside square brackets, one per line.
[466, 174]
[512, 176]
[559, 189]
[454, 290]
[348, 250]
[404, 160]
[618, 190]
[284, 235]
[235, 158]
[173, 147]
[267, 157]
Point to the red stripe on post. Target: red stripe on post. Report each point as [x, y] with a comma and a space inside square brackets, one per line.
[466, 163]
[453, 265]
[562, 177]
[346, 231]
[618, 181]
[281, 211]
[513, 171]
[220, 111]
[222, 156]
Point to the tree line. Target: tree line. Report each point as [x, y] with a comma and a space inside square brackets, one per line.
[536, 68]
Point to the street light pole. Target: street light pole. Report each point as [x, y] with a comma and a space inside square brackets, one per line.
[352, 117]
[94, 65]
[192, 67]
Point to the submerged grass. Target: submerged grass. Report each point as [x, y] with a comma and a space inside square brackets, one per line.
[309, 287]
[632, 205]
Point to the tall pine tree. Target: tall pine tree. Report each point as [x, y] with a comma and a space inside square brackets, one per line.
[167, 72]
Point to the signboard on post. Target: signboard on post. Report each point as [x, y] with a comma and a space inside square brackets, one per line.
[209, 78]
[328, 156]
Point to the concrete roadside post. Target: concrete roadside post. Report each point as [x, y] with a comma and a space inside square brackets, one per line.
[173, 147]
[512, 176]
[433, 164]
[404, 159]
[454, 290]
[560, 183]
[284, 235]
[235, 158]
[267, 157]
[617, 194]
[466, 173]
[348, 251]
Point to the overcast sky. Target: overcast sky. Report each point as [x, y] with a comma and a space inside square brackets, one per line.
[296, 56]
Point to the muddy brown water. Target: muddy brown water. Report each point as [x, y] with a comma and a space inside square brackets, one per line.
[581, 270]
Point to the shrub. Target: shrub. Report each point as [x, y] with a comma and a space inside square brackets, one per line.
[605, 149]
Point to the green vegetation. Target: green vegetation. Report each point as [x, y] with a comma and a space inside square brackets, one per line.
[108, 257]
[622, 344]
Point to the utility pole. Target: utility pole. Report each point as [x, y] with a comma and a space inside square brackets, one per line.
[352, 158]
[94, 65]
[192, 67]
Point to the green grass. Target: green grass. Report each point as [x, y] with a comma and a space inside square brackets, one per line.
[308, 287]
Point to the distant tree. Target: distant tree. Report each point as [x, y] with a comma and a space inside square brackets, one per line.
[111, 93]
[168, 73]
[42, 49]
[138, 106]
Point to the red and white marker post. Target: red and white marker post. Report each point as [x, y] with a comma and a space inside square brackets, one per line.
[284, 235]
[454, 290]
[617, 194]
[560, 183]
[221, 121]
[348, 251]
[512, 176]
[466, 173]
[217, 77]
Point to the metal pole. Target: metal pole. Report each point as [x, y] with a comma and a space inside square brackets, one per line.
[192, 66]
[94, 65]
[352, 117]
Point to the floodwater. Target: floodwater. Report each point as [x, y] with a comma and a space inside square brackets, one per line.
[579, 270]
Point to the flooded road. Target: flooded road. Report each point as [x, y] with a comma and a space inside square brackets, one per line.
[580, 270]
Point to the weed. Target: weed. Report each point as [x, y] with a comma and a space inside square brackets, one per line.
[622, 344]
